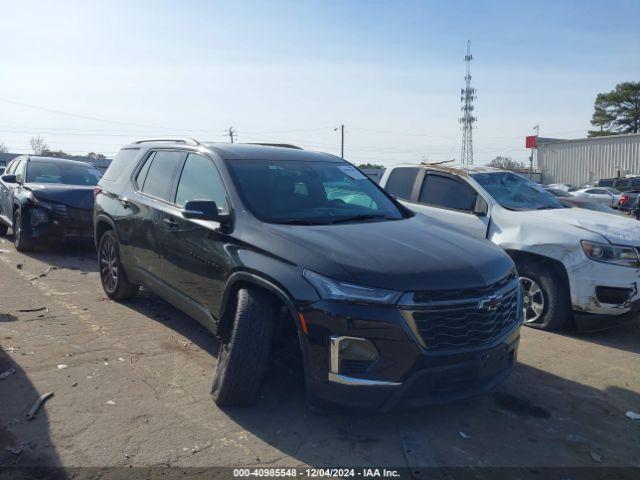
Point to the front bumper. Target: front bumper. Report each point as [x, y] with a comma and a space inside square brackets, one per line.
[405, 374]
[600, 289]
[61, 223]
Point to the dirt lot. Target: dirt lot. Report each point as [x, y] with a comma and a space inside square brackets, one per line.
[131, 387]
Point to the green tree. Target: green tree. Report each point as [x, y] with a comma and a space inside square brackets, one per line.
[506, 163]
[369, 165]
[617, 111]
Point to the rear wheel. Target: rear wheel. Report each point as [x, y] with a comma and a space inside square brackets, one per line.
[112, 275]
[243, 357]
[22, 238]
[545, 297]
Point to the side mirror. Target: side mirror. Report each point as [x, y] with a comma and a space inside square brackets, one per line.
[202, 210]
[9, 178]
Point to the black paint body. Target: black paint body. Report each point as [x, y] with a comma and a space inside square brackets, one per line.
[198, 265]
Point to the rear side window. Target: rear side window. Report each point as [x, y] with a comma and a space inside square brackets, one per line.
[161, 174]
[607, 182]
[200, 180]
[446, 192]
[124, 158]
[400, 182]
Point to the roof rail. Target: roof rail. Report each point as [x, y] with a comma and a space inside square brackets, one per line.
[185, 140]
[283, 145]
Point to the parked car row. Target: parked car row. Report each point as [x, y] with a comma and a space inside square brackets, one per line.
[400, 294]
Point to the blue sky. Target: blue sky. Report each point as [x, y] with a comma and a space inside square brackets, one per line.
[292, 71]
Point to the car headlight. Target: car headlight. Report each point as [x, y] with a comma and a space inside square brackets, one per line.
[616, 254]
[330, 289]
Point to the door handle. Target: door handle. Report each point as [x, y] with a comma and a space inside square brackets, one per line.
[170, 222]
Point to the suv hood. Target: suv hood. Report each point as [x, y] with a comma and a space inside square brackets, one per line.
[408, 254]
[614, 228]
[75, 196]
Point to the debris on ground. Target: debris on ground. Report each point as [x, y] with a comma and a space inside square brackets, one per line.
[38, 403]
[44, 273]
[464, 435]
[62, 366]
[633, 415]
[120, 359]
[27, 310]
[6, 373]
[596, 457]
[19, 266]
[15, 451]
[110, 402]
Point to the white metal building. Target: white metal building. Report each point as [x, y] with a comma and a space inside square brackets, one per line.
[580, 161]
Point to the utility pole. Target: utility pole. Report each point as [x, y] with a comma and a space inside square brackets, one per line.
[537, 129]
[467, 96]
[232, 132]
[341, 140]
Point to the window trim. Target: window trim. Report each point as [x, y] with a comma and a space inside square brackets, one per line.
[455, 179]
[174, 193]
[419, 174]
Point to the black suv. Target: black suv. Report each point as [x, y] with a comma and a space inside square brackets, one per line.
[258, 242]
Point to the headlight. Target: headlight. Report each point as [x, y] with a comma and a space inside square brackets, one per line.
[330, 289]
[616, 254]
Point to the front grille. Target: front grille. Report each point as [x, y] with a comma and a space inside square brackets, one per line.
[69, 215]
[467, 322]
[462, 293]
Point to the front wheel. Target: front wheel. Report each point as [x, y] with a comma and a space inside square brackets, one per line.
[243, 357]
[112, 275]
[22, 238]
[545, 297]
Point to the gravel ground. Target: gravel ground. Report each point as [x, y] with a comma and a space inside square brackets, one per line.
[131, 388]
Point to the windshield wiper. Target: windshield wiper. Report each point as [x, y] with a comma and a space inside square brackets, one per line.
[356, 218]
[547, 207]
[296, 221]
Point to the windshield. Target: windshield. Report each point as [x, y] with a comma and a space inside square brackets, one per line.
[515, 192]
[314, 193]
[62, 173]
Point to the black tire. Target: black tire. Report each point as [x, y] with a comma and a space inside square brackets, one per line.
[3, 229]
[22, 238]
[242, 359]
[112, 275]
[556, 311]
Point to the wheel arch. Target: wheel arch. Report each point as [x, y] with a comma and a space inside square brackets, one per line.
[102, 224]
[241, 279]
[520, 256]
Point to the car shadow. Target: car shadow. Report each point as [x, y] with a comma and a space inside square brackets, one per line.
[24, 445]
[623, 337]
[535, 419]
[80, 255]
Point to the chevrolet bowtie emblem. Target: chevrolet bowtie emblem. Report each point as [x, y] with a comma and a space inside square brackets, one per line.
[490, 303]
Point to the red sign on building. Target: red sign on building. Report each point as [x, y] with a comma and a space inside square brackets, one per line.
[531, 141]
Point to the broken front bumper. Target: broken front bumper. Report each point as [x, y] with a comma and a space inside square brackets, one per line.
[603, 289]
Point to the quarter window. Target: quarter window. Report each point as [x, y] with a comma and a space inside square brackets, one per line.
[400, 182]
[161, 173]
[446, 192]
[142, 174]
[200, 180]
[124, 158]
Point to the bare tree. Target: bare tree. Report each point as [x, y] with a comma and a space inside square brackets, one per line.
[3, 148]
[506, 163]
[38, 145]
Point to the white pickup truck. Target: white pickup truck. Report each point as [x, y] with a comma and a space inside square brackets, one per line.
[569, 259]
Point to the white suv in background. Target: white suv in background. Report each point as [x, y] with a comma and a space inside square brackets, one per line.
[569, 259]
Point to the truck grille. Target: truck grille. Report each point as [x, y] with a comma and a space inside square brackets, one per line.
[467, 322]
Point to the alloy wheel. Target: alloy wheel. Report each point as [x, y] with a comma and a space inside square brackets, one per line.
[109, 265]
[532, 300]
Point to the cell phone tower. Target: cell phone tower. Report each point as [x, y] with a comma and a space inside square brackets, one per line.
[467, 96]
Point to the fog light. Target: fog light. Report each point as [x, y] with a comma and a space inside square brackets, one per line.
[351, 355]
[38, 217]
